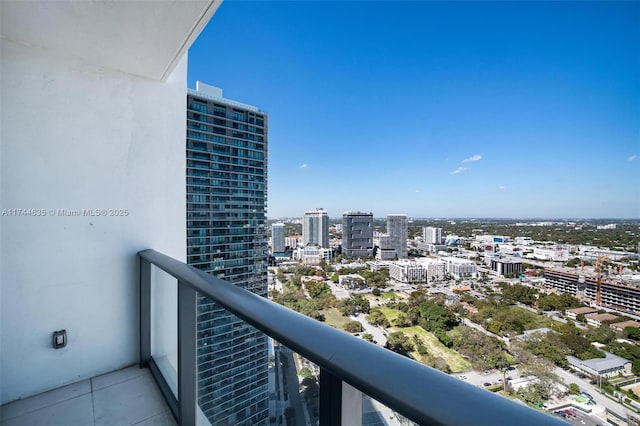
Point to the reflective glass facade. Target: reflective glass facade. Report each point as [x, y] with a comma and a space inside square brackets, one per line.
[226, 236]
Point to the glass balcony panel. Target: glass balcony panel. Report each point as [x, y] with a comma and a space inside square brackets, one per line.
[293, 386]
[232, 364]
[376, 413]
[164, 325]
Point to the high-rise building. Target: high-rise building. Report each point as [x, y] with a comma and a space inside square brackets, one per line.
[357, 234]
[226, 237]
[397, 231]
[432, 235]
[277, 238]
[315, 228]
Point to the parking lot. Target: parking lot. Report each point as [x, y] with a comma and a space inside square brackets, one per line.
[576, 417]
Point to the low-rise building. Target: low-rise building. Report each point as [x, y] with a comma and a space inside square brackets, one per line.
[610, 366]
[620, 326]
[293, 241]
[596, 320]
[311, 255]
[584, 310]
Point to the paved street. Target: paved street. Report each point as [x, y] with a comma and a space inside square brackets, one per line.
[377, 332]
[293, 391]
[584, 384]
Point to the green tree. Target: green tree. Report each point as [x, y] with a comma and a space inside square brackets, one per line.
[399, 342]
[544, 373]
[305, 373]
[368, 337]
[376, 317]
[632, 333]
[353, 327]
[574, 389]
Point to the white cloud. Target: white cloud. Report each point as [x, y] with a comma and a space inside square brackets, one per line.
[502, 188]
[459, 170]
[417, 190]
[633, 157]
[304, 165]
[476, 157]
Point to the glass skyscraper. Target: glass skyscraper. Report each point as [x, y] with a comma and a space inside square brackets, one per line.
[226, 237]
[315, 228]
[397, 230]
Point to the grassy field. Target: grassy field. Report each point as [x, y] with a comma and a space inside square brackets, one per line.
[454, 360]
[391, 314]
[389, 295]
[334, 318]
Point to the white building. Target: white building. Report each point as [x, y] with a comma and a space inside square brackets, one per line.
[523, 241]
[422, 270]
[610, 366]
[435, 268]
[460, 268]
[432, 235]
[315, 228]
[406, 271]
[293, 241]
[311, 255]
[556, 254]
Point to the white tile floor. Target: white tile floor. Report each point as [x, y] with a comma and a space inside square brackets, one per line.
[121, 398]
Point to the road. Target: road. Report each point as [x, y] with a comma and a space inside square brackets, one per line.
[378, 334]
[292, 385]
[600, 399]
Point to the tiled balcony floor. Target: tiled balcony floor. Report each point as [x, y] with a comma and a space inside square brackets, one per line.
[125, 397]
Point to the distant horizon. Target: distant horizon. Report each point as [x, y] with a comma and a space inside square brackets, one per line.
[438, 109]
[441, 218]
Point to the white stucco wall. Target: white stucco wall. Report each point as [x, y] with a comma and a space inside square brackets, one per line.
[78, 136]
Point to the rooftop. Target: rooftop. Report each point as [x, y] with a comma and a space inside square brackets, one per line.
[603, 317]
[599, 365]
[582, 310]
[625, 324]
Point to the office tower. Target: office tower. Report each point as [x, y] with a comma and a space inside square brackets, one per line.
[226, 237]
[397, 230]
[315, 228]
[357, 234]
[277, 238]
[432, 235]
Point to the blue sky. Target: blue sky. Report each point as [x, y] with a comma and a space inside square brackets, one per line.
[438, 109]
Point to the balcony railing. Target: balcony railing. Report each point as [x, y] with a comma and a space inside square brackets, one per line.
[422, 394]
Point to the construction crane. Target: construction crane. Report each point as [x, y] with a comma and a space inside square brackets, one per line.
[598, 266]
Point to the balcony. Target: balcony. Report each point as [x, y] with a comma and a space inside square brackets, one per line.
[125, 397]
[351, 370]
[91, 122]
[354, 374]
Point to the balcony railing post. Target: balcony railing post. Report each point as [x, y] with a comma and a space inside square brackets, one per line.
[145, 311]
[330, 399]
[187, 391]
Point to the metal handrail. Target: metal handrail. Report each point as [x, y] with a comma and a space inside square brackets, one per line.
[422, 394]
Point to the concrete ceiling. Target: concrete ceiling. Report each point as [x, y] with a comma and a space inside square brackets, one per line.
[141, 37]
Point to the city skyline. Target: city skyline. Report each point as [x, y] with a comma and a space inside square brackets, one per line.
[503, 110]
